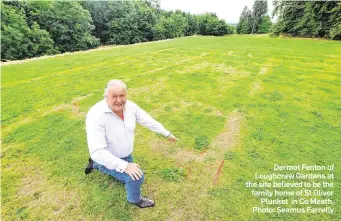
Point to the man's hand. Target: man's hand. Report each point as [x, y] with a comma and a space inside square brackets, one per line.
[134, 171]
[172, 138]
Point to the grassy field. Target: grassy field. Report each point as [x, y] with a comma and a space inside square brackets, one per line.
[250, 101]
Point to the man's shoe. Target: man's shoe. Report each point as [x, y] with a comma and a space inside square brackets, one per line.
[89, 167]
[145, 202]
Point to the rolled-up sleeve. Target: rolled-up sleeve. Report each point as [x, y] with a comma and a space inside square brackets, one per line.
[144, 119]
[97, 144]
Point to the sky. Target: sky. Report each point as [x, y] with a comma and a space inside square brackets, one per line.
[229, 10]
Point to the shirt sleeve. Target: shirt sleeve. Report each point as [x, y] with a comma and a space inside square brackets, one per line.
[144, 119]
[98, 146]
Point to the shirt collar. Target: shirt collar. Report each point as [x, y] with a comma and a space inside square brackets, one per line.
[105, 107]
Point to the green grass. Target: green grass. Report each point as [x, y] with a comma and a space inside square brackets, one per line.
[287, 92]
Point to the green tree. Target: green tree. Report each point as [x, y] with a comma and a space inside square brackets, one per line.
[245, 22]
[177, 24]
[174, 24]
[123, 26]
[40, 42]
[146, 18]
[308, 19]
[315, 21]
[260, 8]
[335, 21]
[69, 25]
[159, 29]
[18, 40]
[171, 25]
[210, 24]
[265, 25]
[123, 22]
[192, 25]
[290, 13]
[101, 14]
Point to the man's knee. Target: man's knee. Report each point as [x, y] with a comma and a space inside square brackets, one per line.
[140, 180]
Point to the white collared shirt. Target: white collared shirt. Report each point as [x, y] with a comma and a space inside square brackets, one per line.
[111, 138]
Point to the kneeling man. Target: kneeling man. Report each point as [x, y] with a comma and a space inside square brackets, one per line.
[110, 126]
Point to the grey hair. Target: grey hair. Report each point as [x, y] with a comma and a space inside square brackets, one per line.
[113, 82]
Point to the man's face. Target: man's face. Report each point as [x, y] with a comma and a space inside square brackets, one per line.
[116, 98]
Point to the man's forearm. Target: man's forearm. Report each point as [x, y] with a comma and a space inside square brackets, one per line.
[144, 119]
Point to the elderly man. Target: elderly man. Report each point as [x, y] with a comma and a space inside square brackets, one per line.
[110, 126]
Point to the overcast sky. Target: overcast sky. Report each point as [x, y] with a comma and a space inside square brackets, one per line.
[229, 10]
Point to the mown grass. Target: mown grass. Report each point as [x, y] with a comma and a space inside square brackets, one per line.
[286, 90]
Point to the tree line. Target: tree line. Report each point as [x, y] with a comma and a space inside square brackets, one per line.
[314, 19]
[36, 28]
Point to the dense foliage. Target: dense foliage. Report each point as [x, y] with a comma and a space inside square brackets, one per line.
[35, 28]
[245, 22]
[308, 19]
[255, 21]
[18, 39]
[127, 22]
